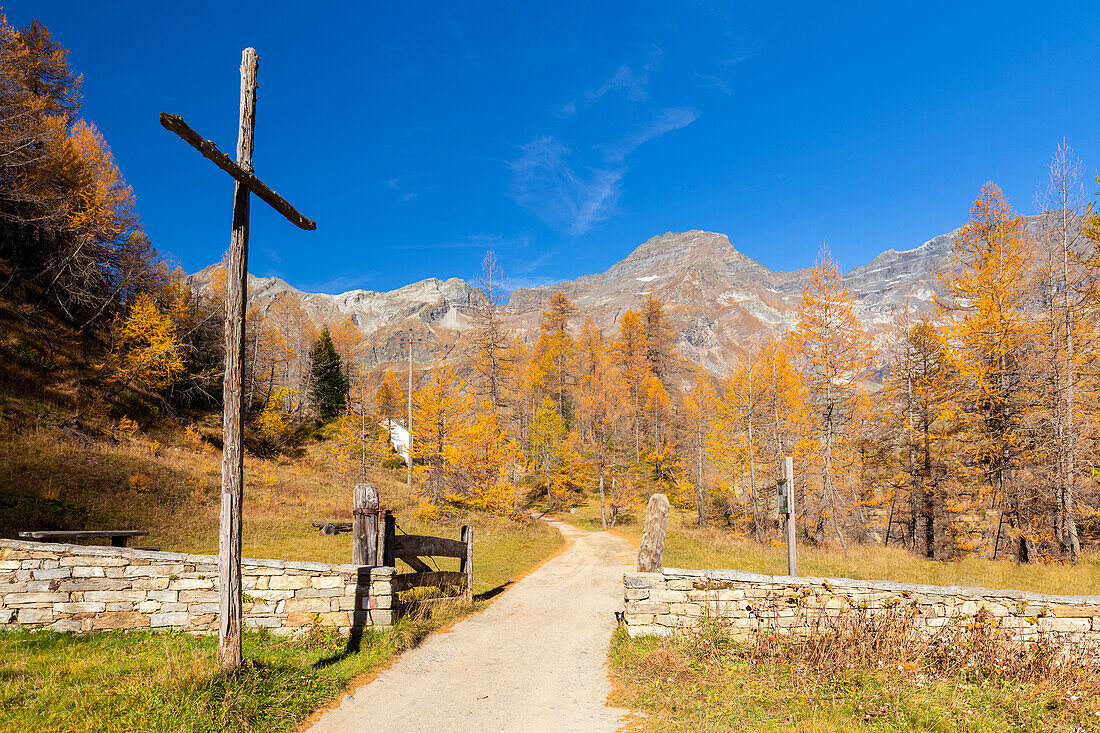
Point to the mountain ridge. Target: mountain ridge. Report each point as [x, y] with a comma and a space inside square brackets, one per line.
[721, 299]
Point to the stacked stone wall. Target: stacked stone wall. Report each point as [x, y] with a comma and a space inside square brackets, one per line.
[673, 600]
[88, 588]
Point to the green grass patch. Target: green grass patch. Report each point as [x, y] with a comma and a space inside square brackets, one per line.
[676, 688]
[169, 681]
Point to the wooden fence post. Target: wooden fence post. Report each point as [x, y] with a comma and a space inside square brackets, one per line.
[364, 525]
[788, 477]
[389, 533]
[653, 536]
[466, 564]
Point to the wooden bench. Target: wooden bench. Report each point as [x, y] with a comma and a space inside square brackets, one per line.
[118, 537]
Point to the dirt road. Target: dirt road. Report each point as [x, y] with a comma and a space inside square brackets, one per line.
[531, 661]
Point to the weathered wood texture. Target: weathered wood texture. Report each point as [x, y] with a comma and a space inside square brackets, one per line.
[364, 525]
[387, 541]
[175, 123]
[792, 556]
[405, 581]
[467, 564]
[118, 537]
[653, 535]
[230, 610]
[416, 563]
[417, 544]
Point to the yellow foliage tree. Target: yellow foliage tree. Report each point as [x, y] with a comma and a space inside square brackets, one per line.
[988, 290]
[146, 351]
[834, 354]
[440, 412]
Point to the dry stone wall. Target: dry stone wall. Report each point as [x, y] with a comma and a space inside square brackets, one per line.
[672, 600]
[88, 588]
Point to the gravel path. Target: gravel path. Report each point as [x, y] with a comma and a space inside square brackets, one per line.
[532, 661]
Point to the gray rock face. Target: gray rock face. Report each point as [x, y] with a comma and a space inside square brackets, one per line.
[721, 300]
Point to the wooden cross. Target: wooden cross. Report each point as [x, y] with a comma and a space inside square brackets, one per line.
[230, 609]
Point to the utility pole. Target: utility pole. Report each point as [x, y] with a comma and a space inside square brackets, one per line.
[787, 510]
[409, 424]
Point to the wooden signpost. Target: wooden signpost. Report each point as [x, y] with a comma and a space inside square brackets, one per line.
[229, 537]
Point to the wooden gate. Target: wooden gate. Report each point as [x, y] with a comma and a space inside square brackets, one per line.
[413, 548]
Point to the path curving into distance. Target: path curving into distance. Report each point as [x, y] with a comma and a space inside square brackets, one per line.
[532, 661]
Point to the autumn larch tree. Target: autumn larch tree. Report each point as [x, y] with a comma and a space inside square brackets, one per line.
[834, 353]
[992, 335]
[697, 414]
[492, 353]
[547, 440]
[1067, 277]
[630, 350]
[917, 393]
[440, 421]
[554, 351]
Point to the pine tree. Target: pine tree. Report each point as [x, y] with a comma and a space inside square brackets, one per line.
[328, 384]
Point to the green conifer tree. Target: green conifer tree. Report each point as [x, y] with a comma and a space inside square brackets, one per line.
[328, 384]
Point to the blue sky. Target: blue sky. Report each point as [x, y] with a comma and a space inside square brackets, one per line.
[562, 135]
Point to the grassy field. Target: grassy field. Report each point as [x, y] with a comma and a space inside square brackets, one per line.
[677, 686]
[146, 681]
[686, 546]
[166, 481]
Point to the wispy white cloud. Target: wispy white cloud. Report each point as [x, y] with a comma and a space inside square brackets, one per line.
[551, 183]
[662, 123]
[633, 85]
[406, 190]
[712, 81]
[567, 110]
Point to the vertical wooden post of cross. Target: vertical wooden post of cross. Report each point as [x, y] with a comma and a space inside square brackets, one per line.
[229, 541]
[230, 602]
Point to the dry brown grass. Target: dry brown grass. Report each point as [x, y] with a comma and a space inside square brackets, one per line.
[167, 482]
[860, 670]
[686, 546]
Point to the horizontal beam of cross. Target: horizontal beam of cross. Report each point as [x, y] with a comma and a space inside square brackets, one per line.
[175, 123]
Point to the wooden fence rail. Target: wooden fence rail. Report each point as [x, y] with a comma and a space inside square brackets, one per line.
[413, 548]
[375, 542]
